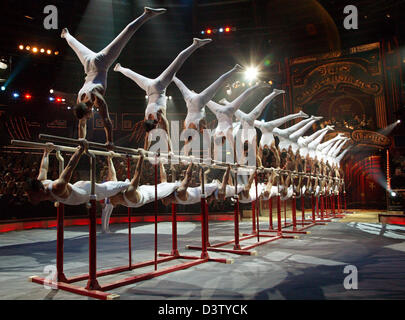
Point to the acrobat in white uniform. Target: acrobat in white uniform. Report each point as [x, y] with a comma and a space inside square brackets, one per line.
[96, 65]
[224, 115]
[267, 128]
[196, 102]
[81, 191]
[247, 120]
[156, 88]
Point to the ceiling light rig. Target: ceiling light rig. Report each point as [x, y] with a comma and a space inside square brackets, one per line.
[219, 30]
[38, 50]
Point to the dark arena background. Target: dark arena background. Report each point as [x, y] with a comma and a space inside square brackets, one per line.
[341, 60]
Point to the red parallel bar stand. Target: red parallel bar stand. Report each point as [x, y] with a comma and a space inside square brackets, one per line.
[155, 205]
[175, 251]
[97, 291]
[92, 283]
[336, 207]
[129, 220]
[280, 228]
[59, 242]
[253, 217]
[270, 214]
[236, 225]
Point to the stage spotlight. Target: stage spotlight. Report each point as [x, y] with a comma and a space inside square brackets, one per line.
[203, 32]
[69, 108]
[51, 99]
[35, 49]
[227, 29]
[28, 96]
[21, 47]
[56, 53]
[393, 194]
[15, 95]
[63, 99]
[221, 29]
[28, 48]
[270, 82]
[42, 50]
[48, 51]
[209, 31]
[3, 88]
[251, 73]
[398, 121]
[51, 91]
[58, 99]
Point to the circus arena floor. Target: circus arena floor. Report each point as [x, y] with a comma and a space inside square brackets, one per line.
[309, 267]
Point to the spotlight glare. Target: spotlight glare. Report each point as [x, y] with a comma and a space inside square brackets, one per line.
[251, 73]
[393, 194]
[35, 49]
[202, 32]
[27, 47]
[42, 50]
[209, 31]
[48, 51]
[15, 95]
[3, 88]
[56, 53]
[28, 96]
[221, 29]
[227, 29]
[21, 47]
[51, 91]
[51, 98]
[398, 121]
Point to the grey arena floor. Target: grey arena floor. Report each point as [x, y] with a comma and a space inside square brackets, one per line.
[311, 267]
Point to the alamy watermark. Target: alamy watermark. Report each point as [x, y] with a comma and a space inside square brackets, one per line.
[351, 280]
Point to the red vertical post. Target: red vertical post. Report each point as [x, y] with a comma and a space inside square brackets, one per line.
[278, 215]
[313, 208]
[92, 283]
[322, 207]
[207, 230]
[271, 214]
[257, 201]
[156, 212]
[236, 223]
[129, 221]
[175, 250]
[294, 212]
[303, 208]
[338, 203]
[285, 212]
[204, 253]
[253, 217]
[59, 243]
[344, 195]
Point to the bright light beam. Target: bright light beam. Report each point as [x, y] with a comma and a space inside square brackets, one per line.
[251, 73]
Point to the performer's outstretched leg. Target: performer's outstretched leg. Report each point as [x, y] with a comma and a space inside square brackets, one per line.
[236, 103]
[207, 94]
[113, 50]
[290, 130]
[166, 76]
[317, 141]
[185, 92]
[80, 49]
[280, 121]
[257, 111]
[140, 80]
[301, 131]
